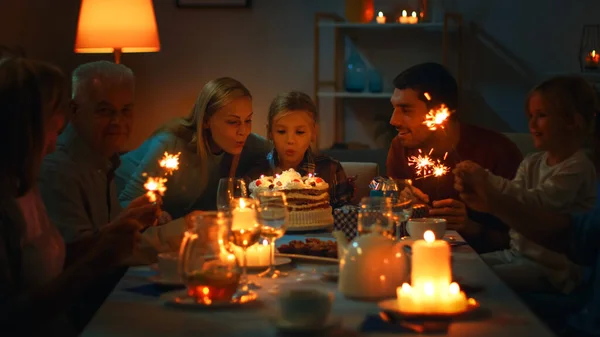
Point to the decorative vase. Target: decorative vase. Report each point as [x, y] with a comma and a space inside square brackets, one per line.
[360, 11]
[356, 73]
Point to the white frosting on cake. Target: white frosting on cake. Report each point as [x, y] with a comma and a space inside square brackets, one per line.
[287, 180]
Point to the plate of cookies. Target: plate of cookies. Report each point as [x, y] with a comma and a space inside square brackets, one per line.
[311, 249]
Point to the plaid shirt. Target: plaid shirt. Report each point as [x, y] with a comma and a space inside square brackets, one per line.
[325, 167]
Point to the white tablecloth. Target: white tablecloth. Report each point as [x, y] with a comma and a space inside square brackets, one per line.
[127, 313]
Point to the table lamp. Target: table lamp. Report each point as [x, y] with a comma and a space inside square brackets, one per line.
[116, 26]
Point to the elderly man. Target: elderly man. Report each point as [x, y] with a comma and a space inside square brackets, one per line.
[417, 90]
[77, 182]
[575, 235]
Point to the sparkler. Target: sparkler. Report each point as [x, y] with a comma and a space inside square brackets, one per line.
[170, 162]
[427, 167]
[155, 186]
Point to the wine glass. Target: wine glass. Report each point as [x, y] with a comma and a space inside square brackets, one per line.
[375, 216]
[206, 265]
[245, 231]
[229, 189]
[402, 206]
[273, 214]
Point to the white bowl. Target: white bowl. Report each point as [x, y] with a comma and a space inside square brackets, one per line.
[416, 228]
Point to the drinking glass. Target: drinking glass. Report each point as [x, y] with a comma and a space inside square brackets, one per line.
[206, 264]
[273, 214]
[245, 231]
[229, 189]
[375, 216]
[402, 206]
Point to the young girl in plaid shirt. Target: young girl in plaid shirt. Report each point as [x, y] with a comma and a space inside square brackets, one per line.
[292, 126]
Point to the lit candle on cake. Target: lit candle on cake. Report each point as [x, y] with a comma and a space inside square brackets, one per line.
[432, 291]
[258, 254]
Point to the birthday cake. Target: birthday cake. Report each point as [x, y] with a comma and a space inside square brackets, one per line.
[307, 197]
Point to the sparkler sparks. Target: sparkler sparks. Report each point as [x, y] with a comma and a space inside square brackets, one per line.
[170, 162]
[427, 167]
[437, 118]
[154, 186]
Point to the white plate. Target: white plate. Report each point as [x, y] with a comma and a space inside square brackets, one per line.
[158, 279]
[292, 229]
[180, 299]
[310, 258]
[279, 261]
[287, 327]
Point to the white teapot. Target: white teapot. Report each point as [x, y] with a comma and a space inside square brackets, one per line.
[372, 266]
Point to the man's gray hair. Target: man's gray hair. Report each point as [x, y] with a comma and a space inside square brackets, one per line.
[85, 74]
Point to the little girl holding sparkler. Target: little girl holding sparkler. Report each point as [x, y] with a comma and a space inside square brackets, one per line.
[292, 126]
[561, 113]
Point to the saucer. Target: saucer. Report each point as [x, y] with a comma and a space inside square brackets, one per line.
[159, 280]
[287, 327]
[180, 299]
[279, 261]
[391, 307]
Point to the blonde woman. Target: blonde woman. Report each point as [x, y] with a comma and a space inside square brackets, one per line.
[214, 140]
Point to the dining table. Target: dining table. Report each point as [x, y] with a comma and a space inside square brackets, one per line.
[138, 307]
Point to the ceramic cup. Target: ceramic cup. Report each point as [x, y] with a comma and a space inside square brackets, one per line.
[305, 305]
[168, 266]
[416, 228]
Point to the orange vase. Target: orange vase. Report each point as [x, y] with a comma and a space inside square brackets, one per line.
[360, 11]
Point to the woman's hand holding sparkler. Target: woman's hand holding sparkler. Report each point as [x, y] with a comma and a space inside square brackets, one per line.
[415, 194]
[454, 211]
[144, 210]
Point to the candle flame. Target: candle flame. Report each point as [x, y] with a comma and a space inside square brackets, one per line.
[380, 14]
[242, 203]
[427, 96]
[404, 14]
[414, 14]
[437, 117]
[454, 289]
[153, 186]
[429, 237]
[406, 288]
[593, 53]
[265, 242]
[170, 162]
[428, 289]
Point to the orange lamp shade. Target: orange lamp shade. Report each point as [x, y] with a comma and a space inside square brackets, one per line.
[106, 25]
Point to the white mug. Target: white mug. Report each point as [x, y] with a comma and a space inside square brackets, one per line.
[416, 228]
[305, 305]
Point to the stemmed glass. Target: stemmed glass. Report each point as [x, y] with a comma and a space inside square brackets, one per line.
[375, 216]
[273, 214]
[228, 190]
[245, 231]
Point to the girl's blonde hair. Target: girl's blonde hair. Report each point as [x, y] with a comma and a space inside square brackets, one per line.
[569, 96]
[31, 92]
[290, 101]
[213, 96]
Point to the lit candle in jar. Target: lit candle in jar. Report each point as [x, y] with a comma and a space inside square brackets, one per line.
[380, 18]
[404, 17]
[259, 254]
[432, 291]
[592, 60]
[413, 18]
[243, 216]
